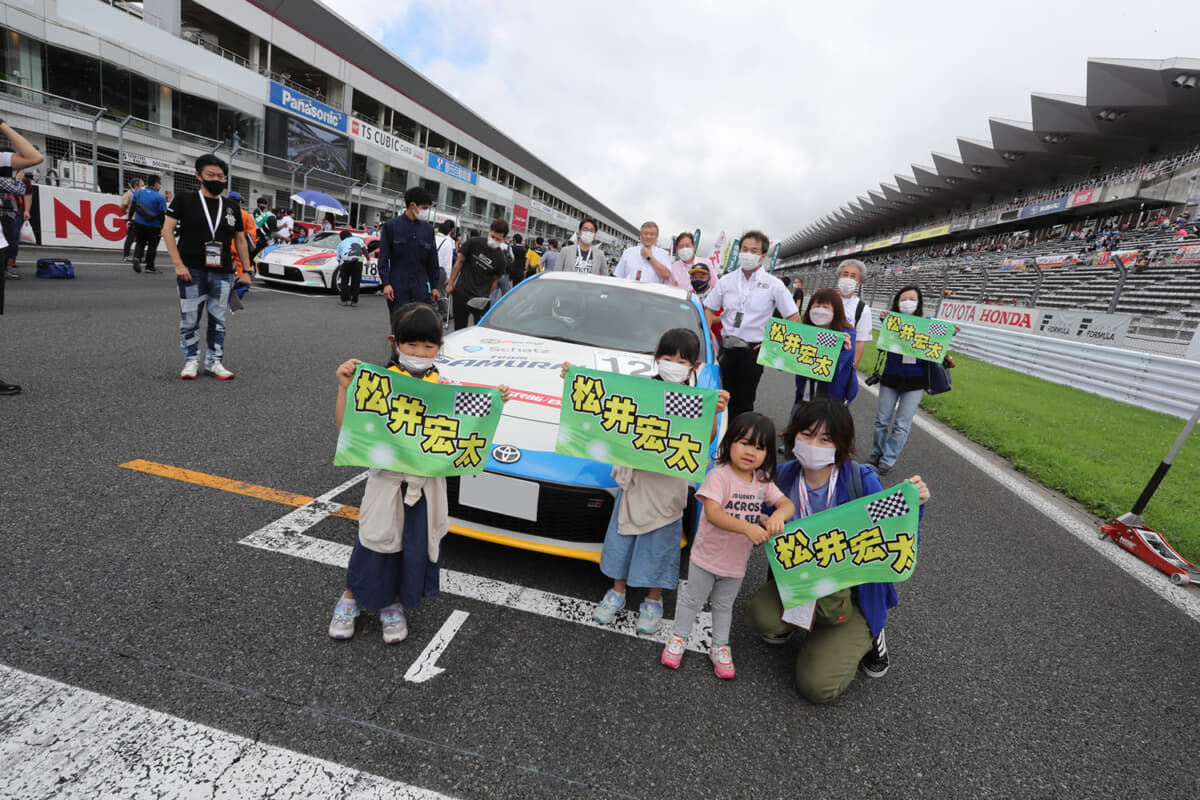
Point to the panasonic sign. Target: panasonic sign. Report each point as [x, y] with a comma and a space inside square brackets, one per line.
[304, 106]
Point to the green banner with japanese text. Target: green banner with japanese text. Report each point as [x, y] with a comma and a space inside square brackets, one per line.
[805, 350]
[398, 422]
[926, 339]
[636, 422]
[869, 540]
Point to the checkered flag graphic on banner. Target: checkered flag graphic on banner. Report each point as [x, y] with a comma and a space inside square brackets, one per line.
[469, 404]
[826, 339]
[676, 404]
[938, 329]
[894, 505]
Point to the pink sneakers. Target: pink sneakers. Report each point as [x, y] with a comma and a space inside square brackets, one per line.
[672, 654]
[722, 661]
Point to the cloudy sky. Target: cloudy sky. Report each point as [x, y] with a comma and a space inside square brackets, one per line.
[726, 115]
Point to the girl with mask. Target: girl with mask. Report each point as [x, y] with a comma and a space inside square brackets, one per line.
[641, 545]
[734, 494]
[825, 311]
[683, 270]
[847, 629]
[396, 559]
[901, 386]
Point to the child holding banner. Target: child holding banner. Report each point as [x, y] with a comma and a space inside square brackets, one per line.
[641, 545]
[396, 559]
[825, 311]
[847, 630]
[734, 494]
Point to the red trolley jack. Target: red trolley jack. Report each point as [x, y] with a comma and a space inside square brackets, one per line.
[1130, 532]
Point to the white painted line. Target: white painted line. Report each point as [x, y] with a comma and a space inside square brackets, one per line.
[63, 742]
[425, 667]
[1185, 599]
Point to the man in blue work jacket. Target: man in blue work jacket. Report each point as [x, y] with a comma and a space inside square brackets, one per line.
[408, 265]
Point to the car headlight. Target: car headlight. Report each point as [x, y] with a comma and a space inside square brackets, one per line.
[319, 261]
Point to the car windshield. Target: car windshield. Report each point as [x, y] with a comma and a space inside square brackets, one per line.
[594, 314]
[328, 239]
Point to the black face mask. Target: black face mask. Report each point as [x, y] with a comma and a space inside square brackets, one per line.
[213, 187]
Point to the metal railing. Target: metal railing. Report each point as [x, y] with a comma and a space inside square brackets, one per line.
[197, 39]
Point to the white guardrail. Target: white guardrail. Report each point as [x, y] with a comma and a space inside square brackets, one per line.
[1148, 380]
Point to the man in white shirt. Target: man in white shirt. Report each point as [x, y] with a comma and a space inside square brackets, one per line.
[284, 232]
[648, 262]
[858, 313]
[746, 298]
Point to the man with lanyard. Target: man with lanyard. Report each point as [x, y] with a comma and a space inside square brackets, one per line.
[127, 208]
[206, 225]
[264, 223]
[148, 208]
[858, 313]
[646, 262]
[746, 298]
[408, 264]
[584, 256]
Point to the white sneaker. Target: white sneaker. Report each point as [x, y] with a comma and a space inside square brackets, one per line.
[190, 370]
[395, 626]
[218, 371]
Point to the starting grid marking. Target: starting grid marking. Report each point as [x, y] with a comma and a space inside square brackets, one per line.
[288, 536]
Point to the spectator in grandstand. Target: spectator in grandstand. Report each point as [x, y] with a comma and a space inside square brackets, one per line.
[858, 313]
[746, 298]
[901, 386]
[685, 260]
[646, 262]
[206, 224]
[476, 274]
[24, 155]
[408, 264]
[127, 210]
[149, 211]
[584, 255]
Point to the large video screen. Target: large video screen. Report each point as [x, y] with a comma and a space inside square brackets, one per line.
[306, 143]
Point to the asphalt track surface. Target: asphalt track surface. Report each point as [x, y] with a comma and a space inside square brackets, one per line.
[1023, 663]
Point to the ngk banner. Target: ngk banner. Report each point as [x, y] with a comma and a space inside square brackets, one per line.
[81, 219]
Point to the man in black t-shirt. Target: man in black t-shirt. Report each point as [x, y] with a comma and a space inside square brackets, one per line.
[205, 224]
[477, 270]
[516, 270]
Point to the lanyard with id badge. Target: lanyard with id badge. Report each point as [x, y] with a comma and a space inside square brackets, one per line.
[743, 296]
[212, 248]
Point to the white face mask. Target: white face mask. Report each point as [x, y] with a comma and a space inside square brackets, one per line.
[749, 261]
[413, 365]
[686, 253]
[847, 286]
[587, 236]
[908, 306]
[820, 316]
[492, 243]
[673, 372]
[813, 457]
[425, 214]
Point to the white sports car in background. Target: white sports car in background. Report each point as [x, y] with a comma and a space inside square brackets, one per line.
[314, 263]
[529, 496]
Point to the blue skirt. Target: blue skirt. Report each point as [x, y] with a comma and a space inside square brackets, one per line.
[647, 560]
[377, 579]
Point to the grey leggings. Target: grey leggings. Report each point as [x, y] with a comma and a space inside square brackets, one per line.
[719, 590]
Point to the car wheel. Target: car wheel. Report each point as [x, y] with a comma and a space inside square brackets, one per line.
[335, 280]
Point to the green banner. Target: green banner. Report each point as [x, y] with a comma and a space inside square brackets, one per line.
[806, 350]
[926, 339]
[397, 422]
[636, 422]
[869, 540]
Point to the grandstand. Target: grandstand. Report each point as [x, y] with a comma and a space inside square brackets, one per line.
[1035, 216]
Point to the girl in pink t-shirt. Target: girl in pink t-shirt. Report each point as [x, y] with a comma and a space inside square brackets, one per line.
[733, 493]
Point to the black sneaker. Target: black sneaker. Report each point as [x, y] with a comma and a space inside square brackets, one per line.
[137, 265]
[875, 663]
[9, 388]
[153, 270]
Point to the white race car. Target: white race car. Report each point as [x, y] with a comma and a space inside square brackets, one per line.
[529, 496]
[314, 263]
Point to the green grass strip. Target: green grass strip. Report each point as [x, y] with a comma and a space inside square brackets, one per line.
[1097, 451]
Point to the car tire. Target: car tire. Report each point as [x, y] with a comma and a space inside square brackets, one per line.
[334, 278]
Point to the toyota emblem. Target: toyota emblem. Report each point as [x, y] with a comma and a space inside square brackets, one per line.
[506, 453]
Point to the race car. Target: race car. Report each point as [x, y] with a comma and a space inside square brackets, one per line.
[529, 496]
[314, 263]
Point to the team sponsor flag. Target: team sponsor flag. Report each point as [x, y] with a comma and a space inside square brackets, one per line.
[397, 422]
[636, 422]
[926, 339]
[869, 540]
[805, 350]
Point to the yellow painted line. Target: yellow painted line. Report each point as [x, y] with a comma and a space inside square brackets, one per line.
[229, 485]
[537, 547]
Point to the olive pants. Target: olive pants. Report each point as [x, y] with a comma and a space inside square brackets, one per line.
[828, 657]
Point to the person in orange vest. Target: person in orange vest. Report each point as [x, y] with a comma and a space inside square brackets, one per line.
[242, 279]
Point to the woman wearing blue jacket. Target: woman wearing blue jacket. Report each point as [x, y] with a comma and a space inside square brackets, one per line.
[848, 625]
[825, 311]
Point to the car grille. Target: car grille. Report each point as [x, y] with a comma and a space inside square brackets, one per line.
[569, 513]
[280, 271]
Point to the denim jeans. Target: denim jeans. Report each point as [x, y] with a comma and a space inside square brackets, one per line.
[896, 410]
[209, 289]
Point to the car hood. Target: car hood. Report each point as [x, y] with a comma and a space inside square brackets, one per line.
[296, 252]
